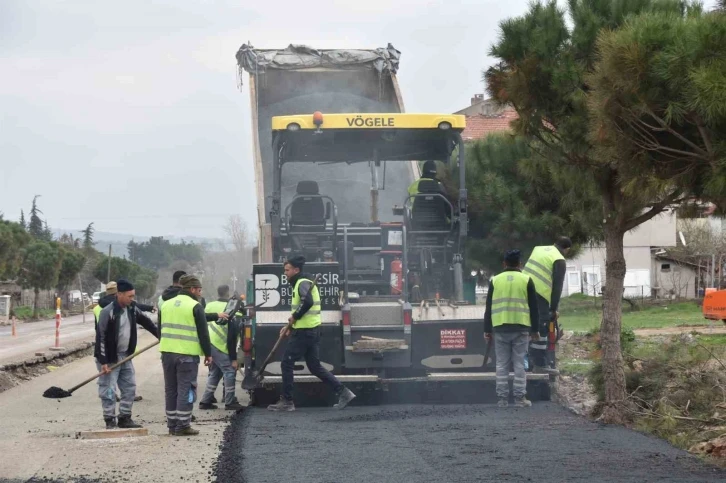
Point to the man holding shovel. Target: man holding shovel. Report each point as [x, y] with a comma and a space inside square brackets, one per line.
[116, 339]
[547, 268]
[304, 325]
[224, 338]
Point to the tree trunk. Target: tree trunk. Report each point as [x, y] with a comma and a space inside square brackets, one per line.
[35, 303]
[612, 358]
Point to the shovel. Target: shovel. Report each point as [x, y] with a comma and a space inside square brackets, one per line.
[54, 392]
[488, 351]
[253, 378]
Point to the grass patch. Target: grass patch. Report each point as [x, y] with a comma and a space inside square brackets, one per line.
[585, 319]
[677, 388]
[574, 367]
[26, 313]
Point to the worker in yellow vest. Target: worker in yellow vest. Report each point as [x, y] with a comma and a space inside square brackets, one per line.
[511, 315]
[184, 339]
[547, 267]
[304, 340]
[224, 337]
[428, 173]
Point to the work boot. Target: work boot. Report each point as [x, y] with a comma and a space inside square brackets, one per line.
[126, 422]
[503, 402]
[207, 406]
[344, 398]
[214, 400]
[138, 398]
[188, 431]
[282, 405]
[110, 423]
[235, 406]
[522, 402]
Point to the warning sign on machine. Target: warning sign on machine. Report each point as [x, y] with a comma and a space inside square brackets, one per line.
[453, 338]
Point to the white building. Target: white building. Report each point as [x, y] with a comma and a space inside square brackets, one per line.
[586, 272]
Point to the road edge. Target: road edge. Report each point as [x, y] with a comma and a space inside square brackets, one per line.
[15, 373]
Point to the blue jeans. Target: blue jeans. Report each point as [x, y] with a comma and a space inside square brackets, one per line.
[304, 344]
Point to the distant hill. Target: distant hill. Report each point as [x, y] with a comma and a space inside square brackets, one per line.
[119, 241]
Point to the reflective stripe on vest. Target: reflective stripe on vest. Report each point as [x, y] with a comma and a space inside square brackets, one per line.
[217, 333]
[312, 317]
[509, 299]
[178, 328]
[540, 266]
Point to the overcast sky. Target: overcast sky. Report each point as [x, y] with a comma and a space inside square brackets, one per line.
[128, 114]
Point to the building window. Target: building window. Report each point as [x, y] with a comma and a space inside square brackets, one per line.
[665, 267]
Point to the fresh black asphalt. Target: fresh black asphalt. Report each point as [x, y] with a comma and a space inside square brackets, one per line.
[446, 443]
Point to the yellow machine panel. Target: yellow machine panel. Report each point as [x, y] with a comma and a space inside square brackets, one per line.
[370, 121]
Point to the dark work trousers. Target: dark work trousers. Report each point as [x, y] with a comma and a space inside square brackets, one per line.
[305, 344]
[180, 386]
[538, 349]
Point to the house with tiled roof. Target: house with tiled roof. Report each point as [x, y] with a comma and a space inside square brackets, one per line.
[484, 117]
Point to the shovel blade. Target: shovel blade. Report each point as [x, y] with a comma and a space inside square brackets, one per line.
[56, 393]
[251, 381]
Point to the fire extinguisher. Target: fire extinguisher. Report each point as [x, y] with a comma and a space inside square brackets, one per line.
[396, 277]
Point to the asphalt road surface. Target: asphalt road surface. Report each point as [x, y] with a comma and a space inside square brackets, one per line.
[446, 443]
[39, 336]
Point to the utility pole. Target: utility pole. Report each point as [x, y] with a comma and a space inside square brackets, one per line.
[108, 273]
[83, 301]
[234, 281]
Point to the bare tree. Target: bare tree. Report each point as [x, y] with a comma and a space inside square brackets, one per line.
[237, 231]
[704, 243]
[229, 261]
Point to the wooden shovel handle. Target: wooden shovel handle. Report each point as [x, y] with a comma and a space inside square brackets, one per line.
[122, 361]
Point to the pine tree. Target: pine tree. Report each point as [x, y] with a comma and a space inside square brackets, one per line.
[35, 228]
[516, 202]
[22, 220]
[88, 237]
[542, 72]
[47, 233]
